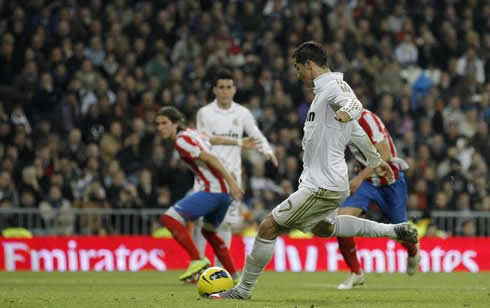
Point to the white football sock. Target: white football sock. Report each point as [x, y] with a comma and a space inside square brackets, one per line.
[350, 226]
[256, 261]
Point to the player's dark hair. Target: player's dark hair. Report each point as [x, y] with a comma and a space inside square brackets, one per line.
[312, 51]
[222, 74]
[173, 114]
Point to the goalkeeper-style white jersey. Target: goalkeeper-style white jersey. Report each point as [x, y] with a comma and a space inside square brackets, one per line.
[325, 138]
[232, 122]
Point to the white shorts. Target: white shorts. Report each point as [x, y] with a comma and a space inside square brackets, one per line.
[307, 207]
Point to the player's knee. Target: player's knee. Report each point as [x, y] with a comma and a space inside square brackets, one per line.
[323, 229]
[172, 214]
[269, 229]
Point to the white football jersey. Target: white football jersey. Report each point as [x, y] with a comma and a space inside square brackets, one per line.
[325, 138]
[233, 123]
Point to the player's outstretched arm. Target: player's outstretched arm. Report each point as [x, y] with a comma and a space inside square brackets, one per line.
[253, 130]
[235, 190]
[247, 143]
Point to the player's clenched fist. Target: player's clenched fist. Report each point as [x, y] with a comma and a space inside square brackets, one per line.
[342, 116]
[385, 170]
[235, 191]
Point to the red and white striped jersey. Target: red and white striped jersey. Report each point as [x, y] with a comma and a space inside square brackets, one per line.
[377, 132]
[189, 143]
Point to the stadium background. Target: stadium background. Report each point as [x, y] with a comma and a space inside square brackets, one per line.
[80, 82]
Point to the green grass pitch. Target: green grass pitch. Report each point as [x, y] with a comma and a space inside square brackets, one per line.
[301, 290]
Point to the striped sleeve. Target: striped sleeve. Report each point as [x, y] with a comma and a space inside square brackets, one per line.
[372, 127]
[187, 147]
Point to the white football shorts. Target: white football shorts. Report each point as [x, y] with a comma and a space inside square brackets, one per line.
[306, 207]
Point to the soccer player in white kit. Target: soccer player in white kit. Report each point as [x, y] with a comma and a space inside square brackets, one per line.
[324, 182]
[225, 118]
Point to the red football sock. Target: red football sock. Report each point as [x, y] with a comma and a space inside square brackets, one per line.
[220, 250]
[347, 247]
[181, 235]
[411, 248]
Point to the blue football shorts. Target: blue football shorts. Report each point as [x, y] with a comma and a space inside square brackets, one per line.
[211, 206]
[392, 199]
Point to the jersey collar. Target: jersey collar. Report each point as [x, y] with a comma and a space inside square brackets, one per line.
[220, 110]
[320, 81]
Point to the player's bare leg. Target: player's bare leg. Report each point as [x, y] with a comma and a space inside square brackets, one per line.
[256, 261]
[347, 247]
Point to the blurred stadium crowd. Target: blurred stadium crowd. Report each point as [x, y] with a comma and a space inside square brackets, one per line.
[80, 82]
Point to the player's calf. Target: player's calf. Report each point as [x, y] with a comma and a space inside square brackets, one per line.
[269, 229]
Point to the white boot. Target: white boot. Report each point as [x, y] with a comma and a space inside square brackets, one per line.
[352, 281]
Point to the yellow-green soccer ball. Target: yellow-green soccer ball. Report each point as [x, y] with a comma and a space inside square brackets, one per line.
[213, 280]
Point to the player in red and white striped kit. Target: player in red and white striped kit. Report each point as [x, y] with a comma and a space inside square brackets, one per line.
[216, 188]
[366, 188]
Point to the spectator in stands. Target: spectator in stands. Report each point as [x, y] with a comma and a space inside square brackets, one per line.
[470, 65]
[57, 213]
[8, 192]
[406, 52]
[30, 184]
[74, 147]
[18, 117]
[94, 198]
[468, 227]
[57, 179]
[111, 142]
[44, 99]
[146, 190]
